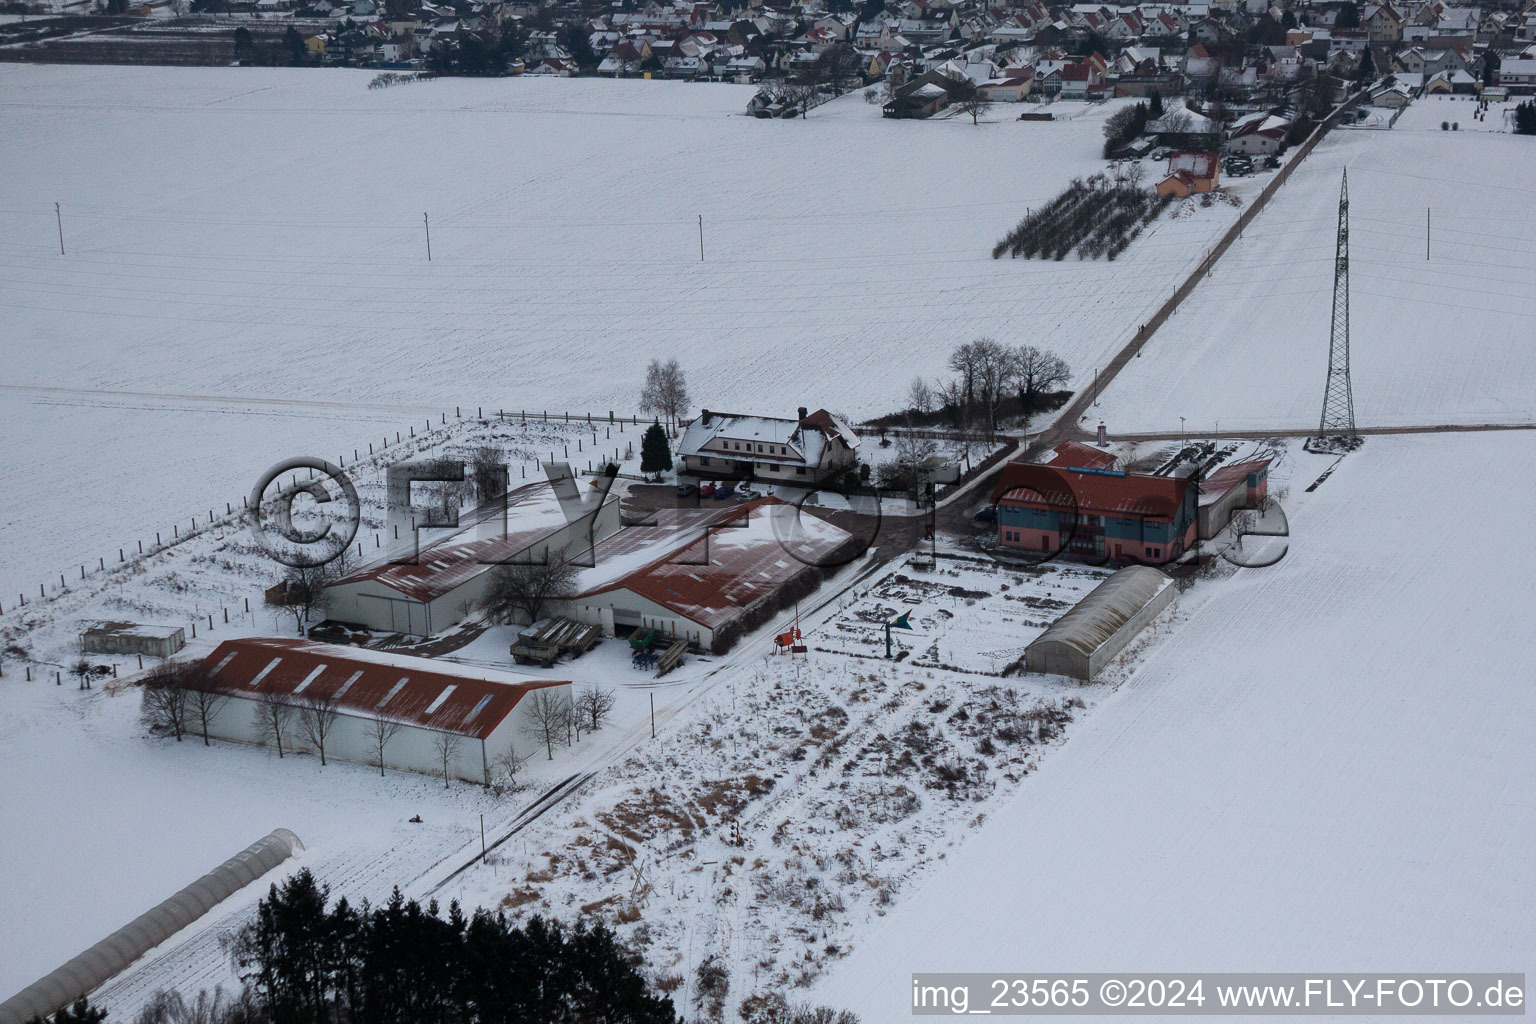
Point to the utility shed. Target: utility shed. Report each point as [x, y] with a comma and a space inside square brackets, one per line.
[132, 638]
[1093, 631]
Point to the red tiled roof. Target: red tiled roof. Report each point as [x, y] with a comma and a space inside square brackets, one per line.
[1100, 493]
[374, 684]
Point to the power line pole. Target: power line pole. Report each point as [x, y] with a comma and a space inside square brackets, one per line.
[701, 238]
[59, 216]
[1336, 427]
[427, 224]
[1426, 233]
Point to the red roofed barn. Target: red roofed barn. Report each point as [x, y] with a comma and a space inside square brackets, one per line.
[357, 693]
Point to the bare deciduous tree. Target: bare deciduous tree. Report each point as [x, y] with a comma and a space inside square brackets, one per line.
[920, 396]
[306, 591]
[594, 704]
[666, 391]
[1036, 373]
[446, 746]
[506, 773]
[164, 698]
[529, 588]
[204, 701]
[488, 472]
[276, 716]
[317, 717]
[547, 717]
[974, 102]
[380, 731]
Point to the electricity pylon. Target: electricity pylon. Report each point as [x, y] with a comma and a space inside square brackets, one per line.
[1336, 428]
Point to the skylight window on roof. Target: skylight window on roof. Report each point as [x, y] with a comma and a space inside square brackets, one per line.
[400, 685]
[348, 684]
[441, 698]
[479, 707]
[263, 673]
[313, 675]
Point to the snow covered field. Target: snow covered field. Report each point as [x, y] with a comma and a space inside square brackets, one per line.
[1325, 766]
[257, 234]
[1447, 340]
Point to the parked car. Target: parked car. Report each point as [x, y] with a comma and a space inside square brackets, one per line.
[987, 515]
[706, 490]
[746, 494]
[723, 491]
[687, 490]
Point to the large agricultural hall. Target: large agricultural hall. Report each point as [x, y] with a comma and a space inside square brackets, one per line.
[419, 704]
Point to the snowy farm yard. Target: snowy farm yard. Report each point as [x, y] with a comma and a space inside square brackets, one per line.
[877, 768]
[269, 246]
[130, 820]
[1451, 339]
[799, 798]
[1325, 763]
[947, 632]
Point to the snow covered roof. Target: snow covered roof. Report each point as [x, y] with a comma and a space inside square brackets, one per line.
[534, 513]
[424, 692]
[1090, 623]
[133, 629]
[1260, 124]
[804, 440]
[1182, 120]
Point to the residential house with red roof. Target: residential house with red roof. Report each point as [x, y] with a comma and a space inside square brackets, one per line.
[1190, 173]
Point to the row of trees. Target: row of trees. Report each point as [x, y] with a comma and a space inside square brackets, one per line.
[987, 377]
[1097, 216]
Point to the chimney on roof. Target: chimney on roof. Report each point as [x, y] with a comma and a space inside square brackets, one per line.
[802, 412]
[704, 417]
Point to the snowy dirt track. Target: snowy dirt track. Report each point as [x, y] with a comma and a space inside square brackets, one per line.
[257, 233]
[1451, 339]
[1325, 767]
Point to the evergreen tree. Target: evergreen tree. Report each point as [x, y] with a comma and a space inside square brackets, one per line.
[1155, 106]
[1348, 17]
[402, 963]
[295, 45]
[1525, 118]
[655, 450]
[1365, 71]
[1491, 64]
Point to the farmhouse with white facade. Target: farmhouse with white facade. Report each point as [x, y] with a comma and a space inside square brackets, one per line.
[806, 450]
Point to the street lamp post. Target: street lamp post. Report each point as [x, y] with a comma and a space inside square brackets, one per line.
[1183, 438]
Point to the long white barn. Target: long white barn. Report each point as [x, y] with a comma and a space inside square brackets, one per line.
[421, 701]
